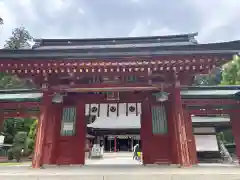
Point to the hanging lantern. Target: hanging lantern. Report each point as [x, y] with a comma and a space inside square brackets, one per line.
[57, 98]
[161, 96]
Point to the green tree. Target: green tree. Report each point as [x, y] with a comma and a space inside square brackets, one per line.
[11, 82]
[31, 137]
[20, 38]
[13, 125]
[18, 145]
[212, 79]
[231, 72]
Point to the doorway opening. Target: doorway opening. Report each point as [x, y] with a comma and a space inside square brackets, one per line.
[115, 132]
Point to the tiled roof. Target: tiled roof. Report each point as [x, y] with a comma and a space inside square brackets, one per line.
[133, 122]
[108, 48]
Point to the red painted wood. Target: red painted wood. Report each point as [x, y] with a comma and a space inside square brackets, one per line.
[47, 146]
[39, 145]
[52, 133]
[18, 105]
[211, 102]
[173, 146]
[68, 151]
[101, 98]
[145, 131]
[190, 138]
[81, 131]
[105, 85]
[155, 148]
[208, 112]
[159, 149]
[71, 149]
[179, 128]
[143, 61]
[182, 64]
[56, 135]
[234, 116]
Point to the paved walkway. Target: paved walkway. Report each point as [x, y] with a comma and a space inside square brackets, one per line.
[114, 167]
[120, 158]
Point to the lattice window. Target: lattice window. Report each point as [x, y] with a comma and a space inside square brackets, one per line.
[159, 120]
[131, 78]
[112, 95]
[68, 121]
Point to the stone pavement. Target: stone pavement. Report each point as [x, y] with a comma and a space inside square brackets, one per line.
[116, 168]
[121, 158]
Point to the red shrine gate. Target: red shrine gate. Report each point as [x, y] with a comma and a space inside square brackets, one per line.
[56, 149]
[56, 144]
[82, 71]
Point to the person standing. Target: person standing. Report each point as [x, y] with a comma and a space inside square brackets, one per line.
[135, 150]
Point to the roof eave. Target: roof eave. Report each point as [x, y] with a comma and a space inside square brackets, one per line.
[110, 55]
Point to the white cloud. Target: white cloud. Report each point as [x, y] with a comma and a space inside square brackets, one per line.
[215, 20]
[9, 22]
[215, 15]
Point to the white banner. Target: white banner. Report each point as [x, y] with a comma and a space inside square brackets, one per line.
[206, 143]
[68, 126]
[103, 110]
[112, 110]
[122, 109]
[132, 109]
[94, 109]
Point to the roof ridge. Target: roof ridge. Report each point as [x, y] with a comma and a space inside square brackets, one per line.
[119, 38]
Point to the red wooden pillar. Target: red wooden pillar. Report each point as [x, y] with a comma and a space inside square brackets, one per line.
[56, 127]
[235, 122]
[179, 135]
[146, 131]
[53, 132]
[80, 133]
[190, 137]
[42, 122]
[171, 130]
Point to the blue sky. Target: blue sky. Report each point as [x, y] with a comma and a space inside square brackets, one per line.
[215, 20]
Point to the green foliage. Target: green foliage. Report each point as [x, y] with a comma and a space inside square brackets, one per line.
[228, 137]
[20, 39]
[211, 79]
[15, 131]
[33, 130]
[30, 144]
[10, 154]
[20, 138]
[18, 145]
[221, 137]
[31, 137]
[12, 126]
[11, 82]
[231, 72]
